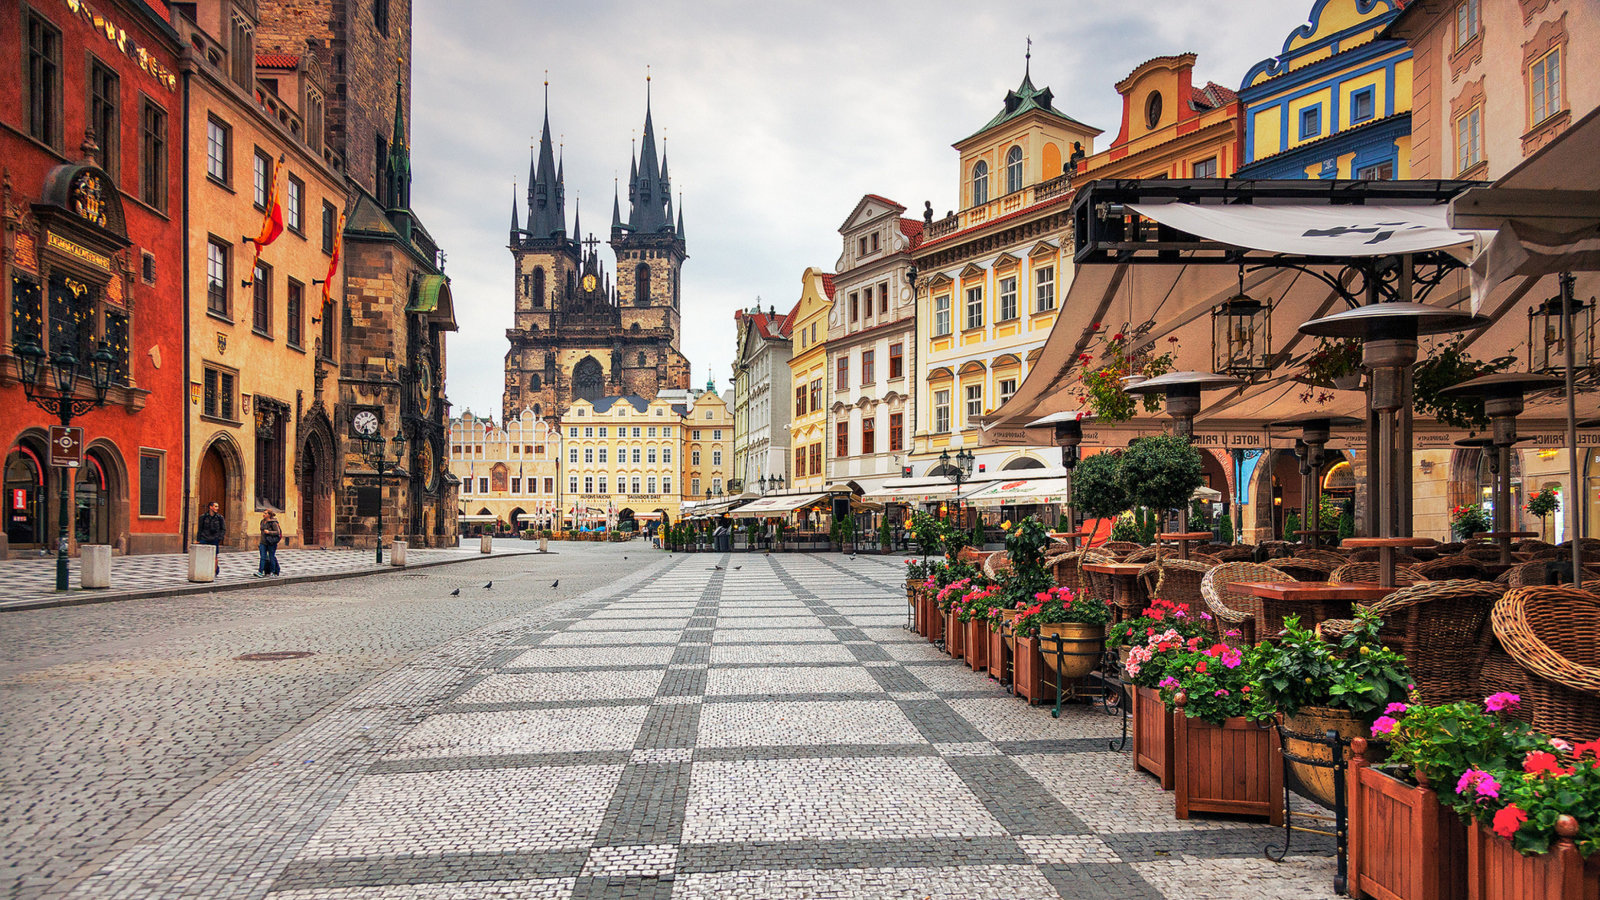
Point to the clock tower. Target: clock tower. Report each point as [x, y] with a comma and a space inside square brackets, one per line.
[577, 332]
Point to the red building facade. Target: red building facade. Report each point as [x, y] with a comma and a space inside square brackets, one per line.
[91, 197]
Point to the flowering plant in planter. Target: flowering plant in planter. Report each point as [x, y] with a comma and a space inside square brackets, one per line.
[1549, 786]
[978, 602]
[1437, 744]
[1469, 520]
[1102, 385]
[1058, 605]
[1357, 674]
[1160, 615]
[1218, 682]
[1149, 662]
[1331, 365]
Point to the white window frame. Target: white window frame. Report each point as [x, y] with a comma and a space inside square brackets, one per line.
[1008, 299]
[941, 315]
[941, 412]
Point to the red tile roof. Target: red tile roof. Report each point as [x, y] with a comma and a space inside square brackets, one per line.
[768, 326]
[159, 9]
[882, 199]
[277, 61]
[912, 228]
[827, 283]
[1211, 96]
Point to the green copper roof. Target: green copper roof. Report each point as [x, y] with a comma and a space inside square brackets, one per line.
[1023, 100]
[427, 299]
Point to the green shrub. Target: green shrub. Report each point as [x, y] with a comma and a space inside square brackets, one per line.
[1161, 472]
[1097, 489]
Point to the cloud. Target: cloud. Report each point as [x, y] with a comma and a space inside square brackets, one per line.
[776, 118]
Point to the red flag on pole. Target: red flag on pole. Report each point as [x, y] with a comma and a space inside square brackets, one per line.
[272, 219]
[333, 264]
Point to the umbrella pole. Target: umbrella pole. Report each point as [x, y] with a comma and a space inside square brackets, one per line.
[1573, 494]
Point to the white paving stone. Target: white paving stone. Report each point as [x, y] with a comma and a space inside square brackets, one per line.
[636, 860]
[565, 686]
[1066, 848]
[602, 639]
[1008, 719]
[778, 723]
[770, 636]
[790, 680]
[1104, 792]
[1194, 878]
[523, 731]
[725, 654]
[591, 657]
[943, 883]
[540, 889]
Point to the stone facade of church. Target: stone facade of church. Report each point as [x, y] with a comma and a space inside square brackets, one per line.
[578, 332]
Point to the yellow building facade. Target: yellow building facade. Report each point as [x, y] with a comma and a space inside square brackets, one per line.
[991, 278]
[1170, 128]
[808, 376]
[262, 346]
[508, 471]
[708, 448]
[622, 459]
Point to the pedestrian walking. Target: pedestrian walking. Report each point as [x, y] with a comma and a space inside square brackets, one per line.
[271, 534]
[212, 530]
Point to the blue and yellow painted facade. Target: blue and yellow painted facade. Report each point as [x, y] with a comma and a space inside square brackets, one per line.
[1336, 103]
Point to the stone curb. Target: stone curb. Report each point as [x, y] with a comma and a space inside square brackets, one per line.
[82, 597]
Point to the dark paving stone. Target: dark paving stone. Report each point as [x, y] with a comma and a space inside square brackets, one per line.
[1014, 797]
[683, 683]
[648, 806]
[669, 726]
[692, 655]
[507, 761]
[1246, 841]
[1098, 881]
[623, 888]
[456, 867]
[987, 851]
[813, 751]
[939, 723]
[869, 653]
[896, 678]
[795, 698]
[1068, 745]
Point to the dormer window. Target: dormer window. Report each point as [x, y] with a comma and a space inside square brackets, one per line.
[980, 183]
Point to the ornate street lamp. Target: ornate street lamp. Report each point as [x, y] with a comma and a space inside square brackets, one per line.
[956, 468]
[1546, 336]
[1068, 427]
[58, 397]
[1241, 335]
[372, 447]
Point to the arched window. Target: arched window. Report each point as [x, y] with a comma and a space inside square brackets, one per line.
[980, 183]
[533, 382]
[588, 380]
[641, 358]
[538, 286]
[537, 411]
[641, 285]
[1014, 170]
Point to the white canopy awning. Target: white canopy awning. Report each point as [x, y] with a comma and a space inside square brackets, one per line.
[1546, 213]
[1021, 492]
[768, 506]
[1301, 229]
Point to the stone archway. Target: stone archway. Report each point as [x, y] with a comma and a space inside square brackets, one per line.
[314, 479]
[30, 516]
[101, 504]
[588, 380]
[220, 478]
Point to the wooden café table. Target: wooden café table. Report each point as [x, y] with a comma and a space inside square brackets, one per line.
[1313, 601]
[1386, 548]
[1183, 538]
[1124, 582]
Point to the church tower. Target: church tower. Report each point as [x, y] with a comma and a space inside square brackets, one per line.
[576, 334]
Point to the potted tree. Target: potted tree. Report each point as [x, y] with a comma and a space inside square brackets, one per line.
[885, 537]
[1161, 473]
[1469, 520]
[1542, 504]
[1097, 489]
[1313, 687]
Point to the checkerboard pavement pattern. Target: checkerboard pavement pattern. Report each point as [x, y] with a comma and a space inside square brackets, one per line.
[33, 579]
[767, 729]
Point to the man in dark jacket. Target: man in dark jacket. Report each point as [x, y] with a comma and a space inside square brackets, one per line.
[212, 530]
[271, 533]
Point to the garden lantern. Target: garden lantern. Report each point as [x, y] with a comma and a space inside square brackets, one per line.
[1547, 338]
[1241, 335]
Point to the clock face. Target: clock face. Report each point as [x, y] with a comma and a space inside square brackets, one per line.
[426, 468]
[589, 281]
[366, 422]
[425, 389]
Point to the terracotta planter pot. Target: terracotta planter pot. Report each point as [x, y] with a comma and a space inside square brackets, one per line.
[1496, 871]
[1403, 844]
[1229, 768]
[976, 647]
[1033, 681]
[1152, 736]
[1080, 648]
[1316, 782]
[955, 635]
[998, 656]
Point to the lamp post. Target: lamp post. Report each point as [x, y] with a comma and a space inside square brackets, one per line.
[58, 397]
[957, 468]
[372, 447]
[1502, 400]
[1068, 431]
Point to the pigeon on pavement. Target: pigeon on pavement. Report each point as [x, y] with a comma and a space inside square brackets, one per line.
[456, 592]
[557, 583]
[488, 586]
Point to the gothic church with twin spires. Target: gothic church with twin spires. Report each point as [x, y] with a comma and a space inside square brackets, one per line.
[578, 333]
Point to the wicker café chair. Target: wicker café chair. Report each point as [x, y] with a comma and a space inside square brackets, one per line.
[1482, 554]
[1205, 558]
[1065, 571]
[1447, 567]
[1120, 547]
[1451, 548]
[1233, 610]
[1327, 556]
[1532, 546]
[1351, 573]
[1147, 554]
[1179, 579]
[1423, 554]
[1365, 554]
[1554, 633]
[1235, 553]
[1306, 569]
[998, 566]
[1438, 625]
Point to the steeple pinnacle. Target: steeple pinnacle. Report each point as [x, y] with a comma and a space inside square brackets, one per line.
[616, 208]
[399, 162]
[546, 201]
[649, 192]
[514, 228]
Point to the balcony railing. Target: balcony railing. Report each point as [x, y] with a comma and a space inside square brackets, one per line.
[1001, 206]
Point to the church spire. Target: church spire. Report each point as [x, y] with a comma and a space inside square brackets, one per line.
[577, 214]
[514, 228]
[649, 201]
[546, 217]
[680, 219]
[616, 209]
[399, 162]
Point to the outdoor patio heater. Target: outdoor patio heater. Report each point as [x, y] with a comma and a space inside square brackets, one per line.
[1502, 395]
[1069, 435]
[1315, 432]
[1182, 393]
[1389, 333]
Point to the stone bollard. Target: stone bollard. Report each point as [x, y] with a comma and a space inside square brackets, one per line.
[202, 562]
[397, 553]
[95, 566]
[486, 543]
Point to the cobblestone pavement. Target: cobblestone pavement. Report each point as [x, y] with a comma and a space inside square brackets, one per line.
[766, 730]
[28, 581]
[111, 714]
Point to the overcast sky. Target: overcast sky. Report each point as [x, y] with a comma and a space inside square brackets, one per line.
[777, 119]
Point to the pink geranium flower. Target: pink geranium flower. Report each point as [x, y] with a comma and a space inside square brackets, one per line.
[1384, 725]
[1395, 709]
[1479, 782]
[1500, 701]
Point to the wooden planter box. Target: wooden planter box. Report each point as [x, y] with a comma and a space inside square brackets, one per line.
[955, 635]
[1152, 736]
[976, 646]
[998, 655]
[1227, 768]
[1496, 871]
[1403, 844]
[1032, 679]
[935, 621]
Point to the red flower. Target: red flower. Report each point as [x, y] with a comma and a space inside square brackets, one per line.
[1158, 615]
[1217, 650]
[1508, 820]
[1591, 747]
[1541, 763]
[1200, 666]
[1119, 336]
[1095, 326]
[1150, 631]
